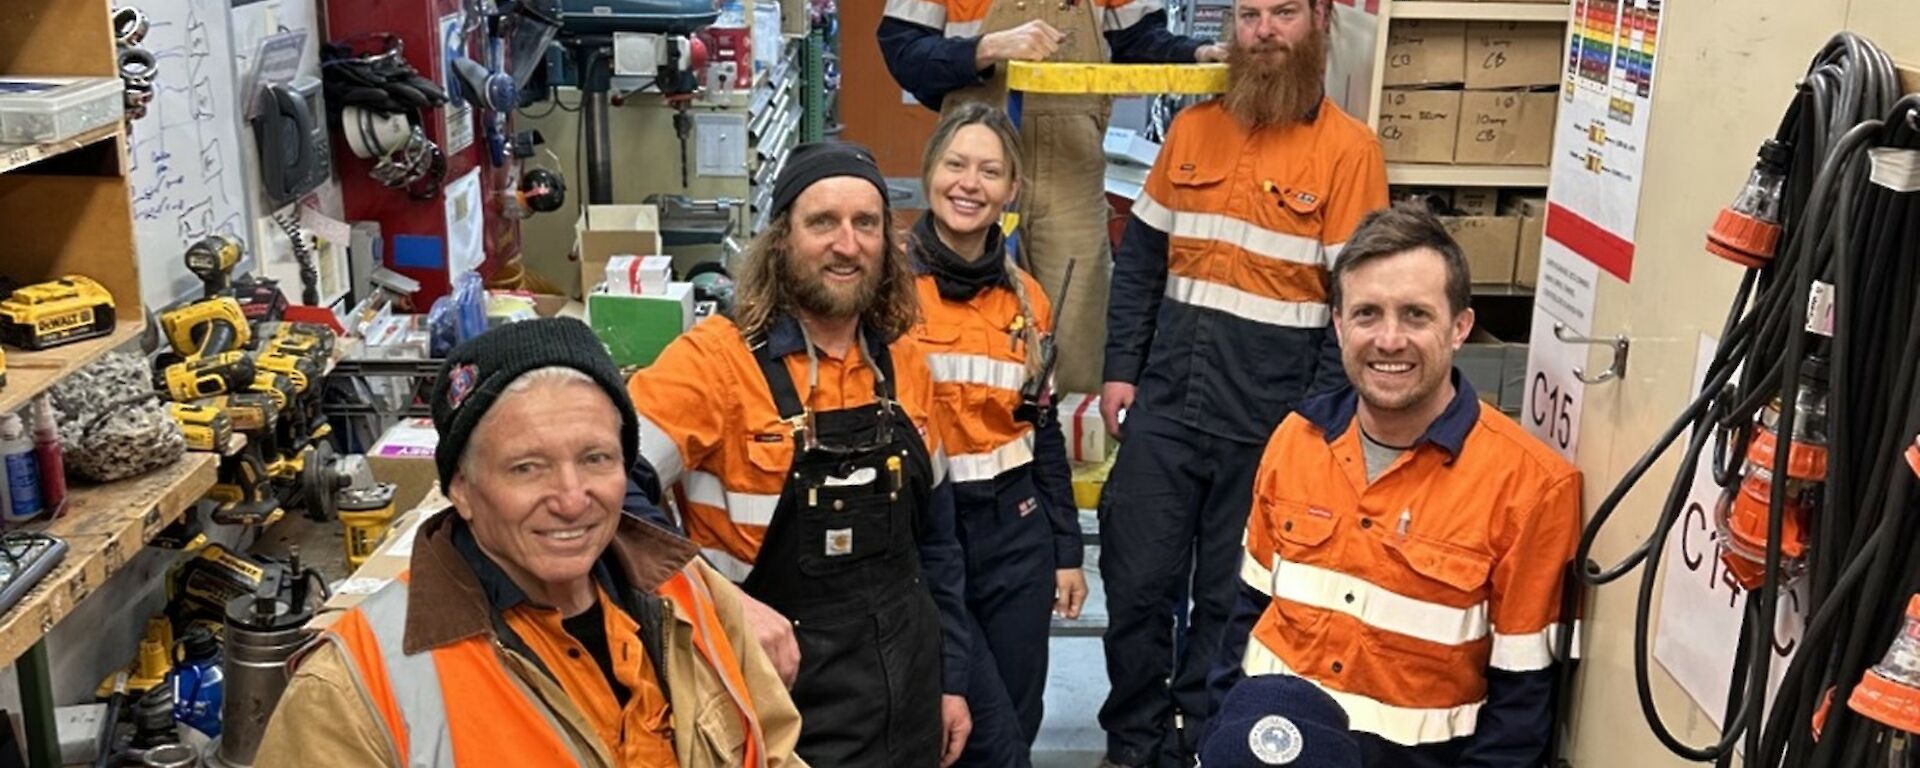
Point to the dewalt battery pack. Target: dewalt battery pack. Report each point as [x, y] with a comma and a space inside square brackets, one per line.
[45, 315]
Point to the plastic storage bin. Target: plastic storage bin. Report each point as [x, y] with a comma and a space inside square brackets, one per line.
[40, 109]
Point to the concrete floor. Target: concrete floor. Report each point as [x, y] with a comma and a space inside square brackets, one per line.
[1070, 736]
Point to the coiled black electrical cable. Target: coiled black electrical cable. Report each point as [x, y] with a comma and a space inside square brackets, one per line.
[1838, 229]
[303, 256]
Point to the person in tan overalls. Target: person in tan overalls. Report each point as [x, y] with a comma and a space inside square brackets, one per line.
[948, 52]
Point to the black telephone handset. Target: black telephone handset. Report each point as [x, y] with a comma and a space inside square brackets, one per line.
[294, 156]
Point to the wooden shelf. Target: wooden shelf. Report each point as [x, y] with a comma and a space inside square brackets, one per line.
[30, 373]
[1436, 175]
[1480, 11]
[104, 527]
[13, 156]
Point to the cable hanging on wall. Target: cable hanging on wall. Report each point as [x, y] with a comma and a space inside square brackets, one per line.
[1809, 415]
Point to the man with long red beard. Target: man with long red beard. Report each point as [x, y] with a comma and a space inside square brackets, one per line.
[799, 433]
[1218, 325]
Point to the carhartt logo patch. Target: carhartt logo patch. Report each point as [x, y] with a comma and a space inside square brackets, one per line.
[1028, 505]
[839, 542]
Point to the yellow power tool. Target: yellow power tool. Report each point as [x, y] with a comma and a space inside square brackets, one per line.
[208, 376]
[207, 327]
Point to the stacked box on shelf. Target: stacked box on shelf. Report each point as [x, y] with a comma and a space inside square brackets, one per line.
[1470, 93]
[636, 328]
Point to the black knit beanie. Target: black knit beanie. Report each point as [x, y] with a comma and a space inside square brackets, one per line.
[479, 369]
[810, 163]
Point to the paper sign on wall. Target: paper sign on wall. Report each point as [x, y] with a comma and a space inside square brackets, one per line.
[1551, 407]
[1599, 150]
[1700, 605]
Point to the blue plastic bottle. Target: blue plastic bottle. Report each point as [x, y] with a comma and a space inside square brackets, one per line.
[199, 685]
[22, 471]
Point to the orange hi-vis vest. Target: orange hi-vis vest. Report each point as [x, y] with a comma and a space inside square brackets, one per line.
[979, 365]
[460, 704]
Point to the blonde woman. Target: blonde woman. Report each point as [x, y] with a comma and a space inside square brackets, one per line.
[982, 321]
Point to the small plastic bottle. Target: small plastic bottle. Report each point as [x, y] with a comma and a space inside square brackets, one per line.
[51, 462]
[199, 686]
[23, 473]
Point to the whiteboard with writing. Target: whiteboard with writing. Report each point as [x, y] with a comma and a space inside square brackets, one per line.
[187, 178]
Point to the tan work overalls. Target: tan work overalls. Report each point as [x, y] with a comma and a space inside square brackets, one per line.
[1063, 203]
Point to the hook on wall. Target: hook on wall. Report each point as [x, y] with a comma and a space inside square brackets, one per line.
[1619, 343]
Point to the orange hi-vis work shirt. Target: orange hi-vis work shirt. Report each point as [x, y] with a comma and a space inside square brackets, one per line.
[1219, 302]
[639, 734]
[966, 18]
[979, 365]
[1397, 596]
[709, 423]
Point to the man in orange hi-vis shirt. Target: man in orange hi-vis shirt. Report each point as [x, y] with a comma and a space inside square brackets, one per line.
[949, 52]
[801, 433]
[1217, 328]
[1407, 543]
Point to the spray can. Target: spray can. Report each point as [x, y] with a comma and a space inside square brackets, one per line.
[23, 473]
[46, 453]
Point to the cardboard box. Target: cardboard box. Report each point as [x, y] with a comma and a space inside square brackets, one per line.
[404, 456]
[1526, 264]
[1506, 128]
[1419, 126]
[1514, 54]
[1477, 201]
[1490, 243]
[1086, 432]
[636, 328]
[605, 231]
[1426, 52]
[1526, 205]
[636, 275]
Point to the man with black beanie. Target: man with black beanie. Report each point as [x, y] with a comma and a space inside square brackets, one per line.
[799, 434]
[538, 624]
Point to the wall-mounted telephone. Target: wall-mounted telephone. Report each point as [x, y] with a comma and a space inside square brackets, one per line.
[294, 155]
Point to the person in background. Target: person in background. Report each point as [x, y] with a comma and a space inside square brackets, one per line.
[804, 439]
[1269, 720]
[984, 323]
[538, 625]
[950, 52]
[1218, 326]
[1407, 544]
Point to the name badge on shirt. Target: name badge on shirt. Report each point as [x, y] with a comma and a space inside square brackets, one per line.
[839, 542]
